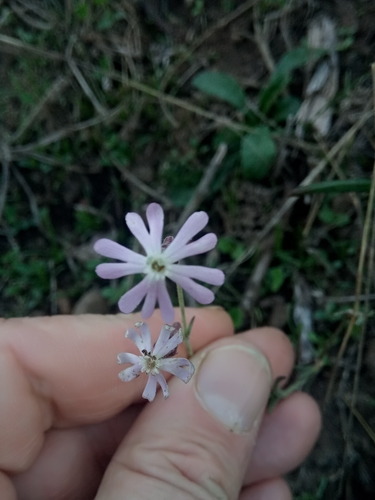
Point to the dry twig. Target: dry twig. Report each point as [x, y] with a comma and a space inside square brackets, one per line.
[203, 188]
[253, 285]
[5, 157]
[133, 179]
[70, 129]
[56, 88]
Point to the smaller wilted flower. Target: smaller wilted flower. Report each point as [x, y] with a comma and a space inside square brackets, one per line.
[154, 359]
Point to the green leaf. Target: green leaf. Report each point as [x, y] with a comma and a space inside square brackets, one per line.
[345, 186]
[268, 95]
[335, 219]
[279, 80]
[285, 107]
[258, 152]
[277, 278]
[222, 86]
[237, 317]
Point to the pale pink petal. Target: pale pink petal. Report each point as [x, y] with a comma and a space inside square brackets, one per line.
[146, 335]
[136, 338]
[138, 228]
[113, 250]
[150, 389]
[149, 304]
[206, 274]
[163, 384]
[112, 271]
[165, 333]
[130, 373]
[198, 292]
[134, 296]
[172, 343]
[180, 367]
[165, 302]
[195, 223]
[155, 219]
[204, 244]
[127, 357]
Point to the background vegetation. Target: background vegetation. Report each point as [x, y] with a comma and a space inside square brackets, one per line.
[259, 112]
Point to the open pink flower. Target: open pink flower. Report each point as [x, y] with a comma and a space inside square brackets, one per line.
[154, 359]
[160, 263]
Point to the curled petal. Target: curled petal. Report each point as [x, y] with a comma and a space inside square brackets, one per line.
[172, 343]
[112, 271]
[109, 248]
[127, 357]
[200, 293]
[137, 339]
[146, 335]
[130, 373]
[195, 223]
[149, 305]
[150, 389]
[206, 274]
[165, 302]
[155, 219]
[165, 333]
[138, 228]
[134, 296]
[163, 384]
[204, 244]
[180, 367]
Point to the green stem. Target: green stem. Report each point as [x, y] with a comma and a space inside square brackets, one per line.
[185, 329]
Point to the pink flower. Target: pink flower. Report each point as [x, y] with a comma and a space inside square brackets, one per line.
[154, 359]
[160, 262]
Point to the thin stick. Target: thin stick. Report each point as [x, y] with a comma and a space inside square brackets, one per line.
[34, 209]
[253, 285]
[262, 44]
[5, 159]
[70, 129]
[350, 298]
[102, 110]
[56, 88]
[14, 43]
[133, 179]
[204, 185]
[185, 328]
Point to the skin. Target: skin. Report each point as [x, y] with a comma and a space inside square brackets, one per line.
[68, 425]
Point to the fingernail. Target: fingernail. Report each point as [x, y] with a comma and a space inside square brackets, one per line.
[233, 384]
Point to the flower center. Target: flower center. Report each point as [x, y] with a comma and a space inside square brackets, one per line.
[151, 363]
[157, 267]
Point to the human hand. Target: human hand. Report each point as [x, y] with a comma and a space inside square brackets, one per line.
[68, 425]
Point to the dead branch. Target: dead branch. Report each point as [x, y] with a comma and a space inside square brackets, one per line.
[203, 188]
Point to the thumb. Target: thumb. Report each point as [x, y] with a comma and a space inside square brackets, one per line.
[198, 443]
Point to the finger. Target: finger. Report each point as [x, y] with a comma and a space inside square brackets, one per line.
[7, 490]
[62, 371]
[72, 461]
[274, 489]
[293, 426]
[285, 438]
[198, 443]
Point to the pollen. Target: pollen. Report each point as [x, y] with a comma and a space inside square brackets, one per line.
[157, 266]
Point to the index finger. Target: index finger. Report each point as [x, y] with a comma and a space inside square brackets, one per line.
[62, 371]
